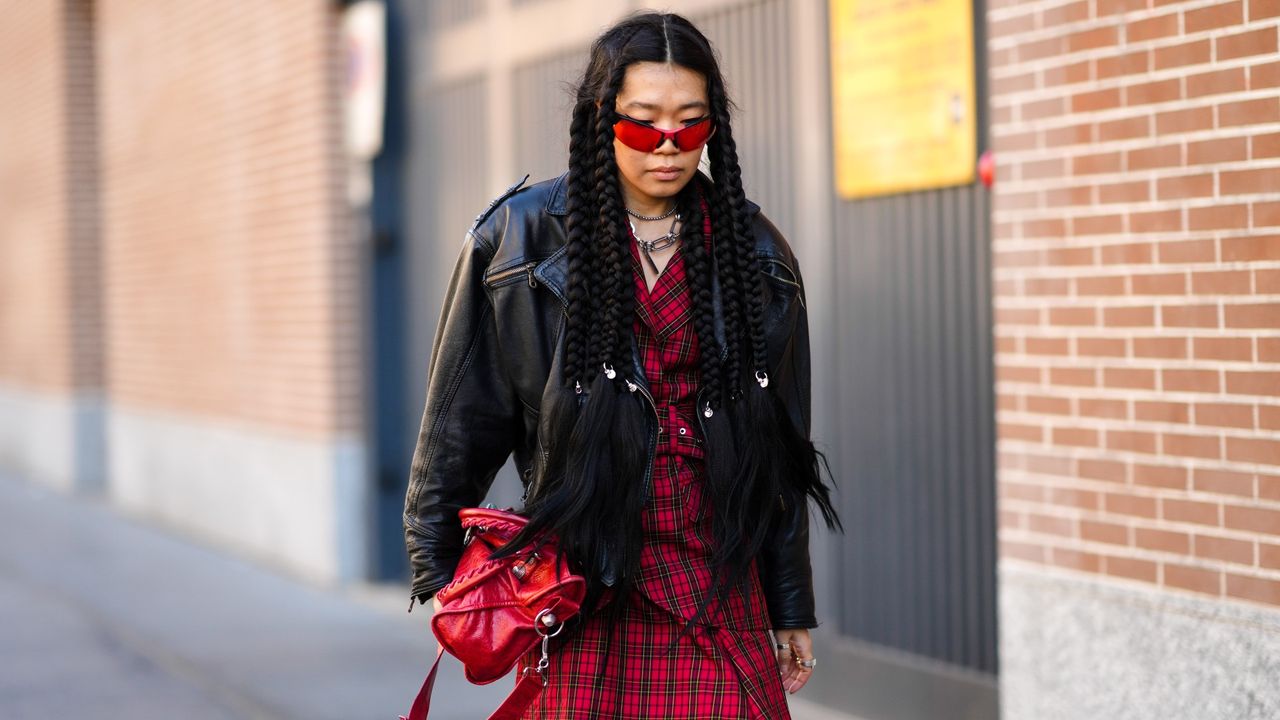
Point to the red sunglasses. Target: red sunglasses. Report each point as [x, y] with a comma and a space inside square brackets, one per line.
[643, 136]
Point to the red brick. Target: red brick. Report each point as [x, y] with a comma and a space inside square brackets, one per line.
[1192, 578]
[1233, 415]
[1161, 411]
[1095, 100]
[1075, 559]
[1252, 519]
[1189, 511]
[1129, 377]
[1110, 285]
[1269, 349]
[1213, 17]
[1160, 347]
[1252, 315]
[1218, 217]
[1216, 82]
[1142, 30]
[1084, 377]
[1072, 315]
[1244, 182]
[1265, 450]
[1126, 254]
[1222, 348]
[1189, 251]
[1231, 550]
[1076, 437]
[1108, 470]
[1129, 316]
[1104, 408]
[1218, 150]
[1127, 128]
[1104, 532]
[1257, 589]
[1175, 380]
[1194, 119]
[1131, 441]
[1269, 487]
[1074, 497]
[1269, 556]
[1253, 247]
[1244, 44]
[1167, 541]
[1262, 9]
[1196, 52]
[1132, 568]
[1100, 347]
[1134, 191]
[1022, 551]
[1208, 447]
[1047, 346]
[1153, 158]
[1189, 315]
[1221, 282]
[1225, 482]
[1159, 284]
[1051, 524]
[1135, 505]
[1092, 164]
[1164, 476]
[1240, 382]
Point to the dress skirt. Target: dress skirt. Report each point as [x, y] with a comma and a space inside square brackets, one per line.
[720, 670]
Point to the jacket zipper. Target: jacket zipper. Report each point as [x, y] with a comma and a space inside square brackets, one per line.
[503, 276]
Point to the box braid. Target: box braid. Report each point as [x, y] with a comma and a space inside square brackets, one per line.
[759, 465]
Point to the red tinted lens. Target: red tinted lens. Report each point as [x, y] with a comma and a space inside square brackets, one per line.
[637, 136]
[694, 136]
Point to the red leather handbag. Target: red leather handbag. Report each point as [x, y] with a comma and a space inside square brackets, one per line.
[495, 611]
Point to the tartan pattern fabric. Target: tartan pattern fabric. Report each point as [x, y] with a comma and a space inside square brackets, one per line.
[726, 667]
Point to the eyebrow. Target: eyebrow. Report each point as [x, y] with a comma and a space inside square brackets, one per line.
[650, 106]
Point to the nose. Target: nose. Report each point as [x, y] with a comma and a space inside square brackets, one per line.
[662, 146]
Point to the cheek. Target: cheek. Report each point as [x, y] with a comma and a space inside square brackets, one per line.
[630, 162]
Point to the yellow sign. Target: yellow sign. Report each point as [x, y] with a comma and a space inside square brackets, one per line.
[902, 95]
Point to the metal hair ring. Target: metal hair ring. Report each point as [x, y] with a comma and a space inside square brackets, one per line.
[609, 372]
[763, 378]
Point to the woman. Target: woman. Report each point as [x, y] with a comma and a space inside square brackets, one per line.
[636, 333]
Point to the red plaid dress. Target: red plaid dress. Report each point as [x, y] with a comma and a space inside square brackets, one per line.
[726, 667]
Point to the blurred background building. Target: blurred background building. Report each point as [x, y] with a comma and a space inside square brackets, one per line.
[1050, 395]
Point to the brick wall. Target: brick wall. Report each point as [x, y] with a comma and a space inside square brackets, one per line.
[35, 301]
[1137, 290]
[231, 271]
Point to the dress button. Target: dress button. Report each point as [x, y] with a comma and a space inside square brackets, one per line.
[659, 429]
[683, 431]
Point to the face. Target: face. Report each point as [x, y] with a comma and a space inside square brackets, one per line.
[669, 97]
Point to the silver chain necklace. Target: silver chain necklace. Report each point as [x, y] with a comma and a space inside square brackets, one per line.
[651, 218]
[662, 242]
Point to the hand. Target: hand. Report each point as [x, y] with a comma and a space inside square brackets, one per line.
[435, 607]
[793, 675]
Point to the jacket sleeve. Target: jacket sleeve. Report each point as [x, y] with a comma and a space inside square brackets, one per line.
[469, 424]
[785, 568]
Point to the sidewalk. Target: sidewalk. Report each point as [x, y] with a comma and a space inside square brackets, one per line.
[111, 618]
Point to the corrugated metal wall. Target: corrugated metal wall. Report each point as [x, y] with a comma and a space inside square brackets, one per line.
[447, 182]
[753, 40]
[916, 424]
[544, 95]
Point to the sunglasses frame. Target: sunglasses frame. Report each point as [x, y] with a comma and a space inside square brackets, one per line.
[662, 135]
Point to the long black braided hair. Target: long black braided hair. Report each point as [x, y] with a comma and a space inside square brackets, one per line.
[762, 470]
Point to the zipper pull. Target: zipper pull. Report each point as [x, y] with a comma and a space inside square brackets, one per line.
[533, 282]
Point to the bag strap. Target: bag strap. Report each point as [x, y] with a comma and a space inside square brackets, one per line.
[526, 691]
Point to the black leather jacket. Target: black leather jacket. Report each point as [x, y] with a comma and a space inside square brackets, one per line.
[497, 343]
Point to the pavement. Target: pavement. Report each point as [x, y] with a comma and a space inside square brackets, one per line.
[109, 616]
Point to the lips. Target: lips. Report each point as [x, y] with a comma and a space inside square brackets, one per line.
[667, 173]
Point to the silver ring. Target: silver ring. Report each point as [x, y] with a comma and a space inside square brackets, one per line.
[783, 646]
[808, 662]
